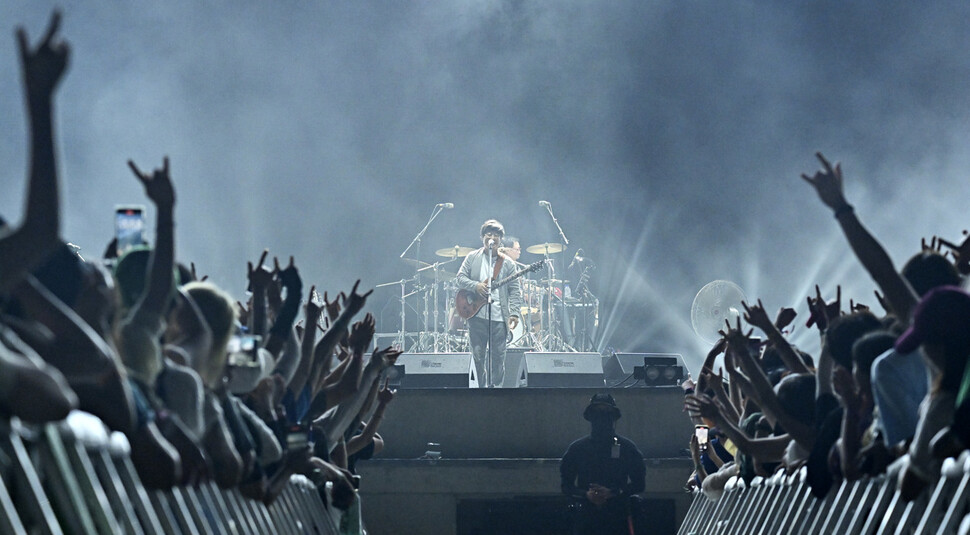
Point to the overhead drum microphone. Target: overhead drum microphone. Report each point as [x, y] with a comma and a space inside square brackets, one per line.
[543, 203]
[446, 205]
[576, 258]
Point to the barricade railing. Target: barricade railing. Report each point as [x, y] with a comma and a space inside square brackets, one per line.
[783, 504]
[73, 478]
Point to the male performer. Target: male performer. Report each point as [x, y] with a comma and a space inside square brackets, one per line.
[505, 306]
[511, 247]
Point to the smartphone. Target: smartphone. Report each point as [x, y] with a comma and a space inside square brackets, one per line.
[701, 431]
[242, 349]
[297, 437]
[129, 226]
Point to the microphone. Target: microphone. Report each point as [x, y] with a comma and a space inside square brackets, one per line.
[544, 203]
[446, 205]
[491, 242]
[576, 258]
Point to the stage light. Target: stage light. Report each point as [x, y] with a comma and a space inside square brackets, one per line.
[659, 371]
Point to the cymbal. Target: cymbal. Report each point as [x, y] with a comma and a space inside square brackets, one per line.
[529, 310]
[427, 272]
[545, 248]
[417, 264]
[453, 252]
[552, 281]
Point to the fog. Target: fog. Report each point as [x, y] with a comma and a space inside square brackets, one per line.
[668, 137]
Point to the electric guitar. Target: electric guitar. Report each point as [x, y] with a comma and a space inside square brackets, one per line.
[468, 303]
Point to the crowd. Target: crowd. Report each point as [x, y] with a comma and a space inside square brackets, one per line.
[886, 393]
[204, 387]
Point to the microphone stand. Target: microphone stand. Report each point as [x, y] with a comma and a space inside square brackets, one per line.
[417, 239]
[488, 303]
[562, 234]
[562, 287]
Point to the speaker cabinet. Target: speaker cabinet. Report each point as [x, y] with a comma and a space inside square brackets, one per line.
[438, 370]
[578, 370]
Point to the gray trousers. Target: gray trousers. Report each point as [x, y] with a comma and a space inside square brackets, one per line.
[478, 334]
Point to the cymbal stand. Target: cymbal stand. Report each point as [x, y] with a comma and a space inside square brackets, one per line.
[400, 340]
[532, 340]
[553, 342]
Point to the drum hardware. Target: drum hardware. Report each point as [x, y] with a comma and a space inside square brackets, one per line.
[454, 252]
[399, 341]
[545, 248]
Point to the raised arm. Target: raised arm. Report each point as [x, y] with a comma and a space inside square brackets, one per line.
[354, 303]
[359, 442]
[43, 68]
[766, 397]
[312, 315]
[283, 324]
[828, 184]
[758, 317]
[160, 277]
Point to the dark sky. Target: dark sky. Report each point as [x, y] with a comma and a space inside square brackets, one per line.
[669, 137]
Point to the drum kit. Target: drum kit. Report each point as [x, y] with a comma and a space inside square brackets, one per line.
[442, 329]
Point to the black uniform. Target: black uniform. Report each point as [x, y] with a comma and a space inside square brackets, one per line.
[616, 464]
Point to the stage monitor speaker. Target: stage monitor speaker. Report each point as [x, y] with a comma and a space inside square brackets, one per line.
[561, 370]
[438, 370]
[655, 369]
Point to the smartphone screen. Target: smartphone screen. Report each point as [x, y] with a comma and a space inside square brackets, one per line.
[129, 227]
[297, 437]
[701, 432]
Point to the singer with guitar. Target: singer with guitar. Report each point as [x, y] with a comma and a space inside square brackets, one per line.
[490, 324]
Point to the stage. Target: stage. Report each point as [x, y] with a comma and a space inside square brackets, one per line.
[500, 451]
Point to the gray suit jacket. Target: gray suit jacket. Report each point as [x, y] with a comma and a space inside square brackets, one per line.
[510, 295]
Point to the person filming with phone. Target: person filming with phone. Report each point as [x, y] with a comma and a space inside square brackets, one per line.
[602, 471]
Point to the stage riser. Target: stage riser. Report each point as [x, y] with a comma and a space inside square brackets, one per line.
[527, 422]
[425, 497]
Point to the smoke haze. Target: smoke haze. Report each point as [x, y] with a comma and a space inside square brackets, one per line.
[668, 136]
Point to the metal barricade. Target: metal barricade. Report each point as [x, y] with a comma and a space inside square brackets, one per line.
[783, 504]
[75, 477]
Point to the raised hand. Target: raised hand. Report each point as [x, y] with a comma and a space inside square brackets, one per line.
[735, 336]
[882, 301]
[362, 333]
[333, 309]
[933, 247]
[158, 185]
[757, 316]
[857, 307]
[195, 275]
[312, 311]
[785, 317]
[385, 394]
[354, 303]
[701, 405]
[828, 184]
[821, 312]
[716, 350]
[260, 277]
[242, 311]
[289, 276]
[961, 253]
[43, 66]
[387, 356]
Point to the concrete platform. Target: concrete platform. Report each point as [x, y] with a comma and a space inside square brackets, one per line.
[527, 423]
[424, 497]
[500, 457]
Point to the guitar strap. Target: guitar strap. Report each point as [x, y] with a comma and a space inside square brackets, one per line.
[498, 266]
